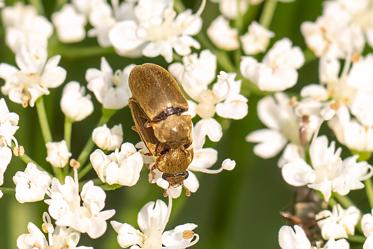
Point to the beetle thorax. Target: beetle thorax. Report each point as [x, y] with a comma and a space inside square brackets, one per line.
[174, 130]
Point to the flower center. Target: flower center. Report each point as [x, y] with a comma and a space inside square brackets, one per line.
[116, 79]
[206, 107]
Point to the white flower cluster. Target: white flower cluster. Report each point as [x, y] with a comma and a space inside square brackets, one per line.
[76, 206]
[216, 72]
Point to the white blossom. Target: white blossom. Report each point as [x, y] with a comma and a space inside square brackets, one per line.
[34, 77]
[156, 30]
[327, 172]
[152, 220]
[293, 238]
[103, 17]
[203, 160]
[79, 211]
[69, 24]
[24, 27]
[278, 70]
[110, 88]
[256, 40]
[58, 154]
[367, 224]
[223, 98]
[59, 237]
[338, 223]
[283, 125]
[196, 72]
[8, 125]
[368, 244]
[108, 139]
[74, 103]
[32, 184]
[120, 167]
[351, 132]
[222, 35]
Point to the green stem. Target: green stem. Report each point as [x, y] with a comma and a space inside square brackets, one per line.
[85, 170]
[268, 12]
[42, 115]
[343, 200]
[67, 132]
[7, 190]
[369, 191]
[106, 115]
[71, 52]
[356, 239]
[38, 4]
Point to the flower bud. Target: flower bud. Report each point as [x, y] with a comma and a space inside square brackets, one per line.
[74, 104]
[58, 154]
[108, 139]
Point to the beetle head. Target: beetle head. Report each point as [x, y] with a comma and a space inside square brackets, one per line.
[174, 164]
[175, 130]
[177, 179]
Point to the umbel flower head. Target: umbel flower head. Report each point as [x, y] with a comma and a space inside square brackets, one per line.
[152, 220]
[33, 77]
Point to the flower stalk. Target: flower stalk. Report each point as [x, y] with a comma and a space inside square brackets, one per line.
[268, 13]
[43, 120]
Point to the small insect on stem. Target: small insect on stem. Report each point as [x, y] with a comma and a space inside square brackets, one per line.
[158, 106]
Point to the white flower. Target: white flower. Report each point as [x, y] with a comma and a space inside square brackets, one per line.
[327, 171]
[368, 244]
[203, 160]
[222, 35]
[74, 104]
[80, 211]
[230, 8]
[350, 132]
[33, 78]
[87, 6]
[196, 72]
[223, 99]
[32, 184]
[367, 224]
[24, 27]
[111, 89]
[108, 139]
[340, 223]
[156, 30]
[256, 40]
[283, 126]
[337, 244]
[152, 220]
[33, 239]
[8, 124]
[58, 154]
[120, 167]
[278, 70]
[293, 238]
[69, 24]
[330, 37]
[59, 237]
[103, 16]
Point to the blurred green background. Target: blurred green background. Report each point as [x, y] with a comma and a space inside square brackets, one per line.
[238, 209]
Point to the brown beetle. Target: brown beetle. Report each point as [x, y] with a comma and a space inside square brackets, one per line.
[157, 105]
[307, 203]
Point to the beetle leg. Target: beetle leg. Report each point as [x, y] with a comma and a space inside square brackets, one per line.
[165, 194]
